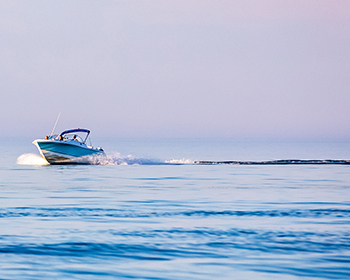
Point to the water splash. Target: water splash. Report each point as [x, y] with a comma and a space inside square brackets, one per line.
[31, 159]
[180, 161]
[116, 159]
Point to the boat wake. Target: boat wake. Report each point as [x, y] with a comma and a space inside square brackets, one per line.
[110, 159]
[118, 159]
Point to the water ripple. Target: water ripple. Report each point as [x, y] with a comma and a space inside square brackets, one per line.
[117, 213]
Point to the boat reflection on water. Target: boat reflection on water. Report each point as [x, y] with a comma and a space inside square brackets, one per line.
[68, 147]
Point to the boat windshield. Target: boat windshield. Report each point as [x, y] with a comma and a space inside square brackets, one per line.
[72, 137]
[79, 135]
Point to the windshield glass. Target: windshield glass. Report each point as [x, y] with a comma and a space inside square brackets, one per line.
[76, 136]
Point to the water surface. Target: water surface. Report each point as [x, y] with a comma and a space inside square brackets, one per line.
[145, 216]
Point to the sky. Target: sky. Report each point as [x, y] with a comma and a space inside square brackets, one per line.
[194, 68]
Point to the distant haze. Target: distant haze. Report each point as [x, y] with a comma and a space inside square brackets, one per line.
[249, 68]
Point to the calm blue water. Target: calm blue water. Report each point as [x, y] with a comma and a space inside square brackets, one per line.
[138, 218]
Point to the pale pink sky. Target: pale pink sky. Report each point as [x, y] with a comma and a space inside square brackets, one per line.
[161, 68]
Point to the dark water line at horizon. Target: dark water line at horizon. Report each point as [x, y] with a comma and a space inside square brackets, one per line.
[275, 162]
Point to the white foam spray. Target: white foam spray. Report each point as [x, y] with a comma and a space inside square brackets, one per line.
[180, 161]
[31, 159]
[116, 159]
[110, 159]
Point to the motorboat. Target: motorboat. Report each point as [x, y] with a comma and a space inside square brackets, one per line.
[68, 147]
